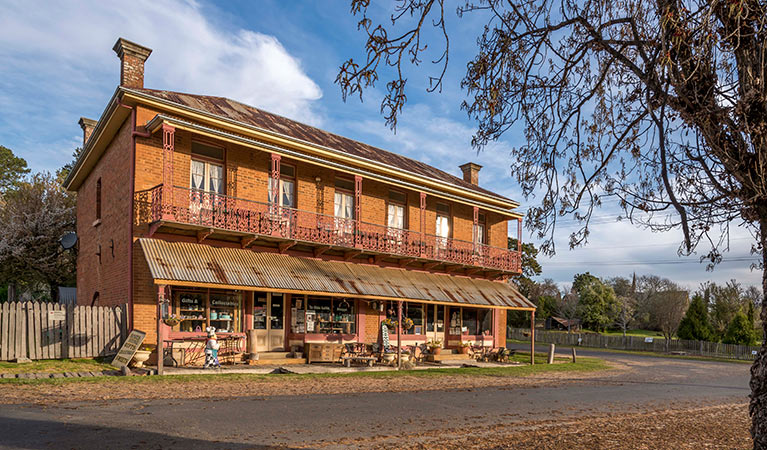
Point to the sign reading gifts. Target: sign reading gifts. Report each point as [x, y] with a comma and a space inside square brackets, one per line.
[128, 349]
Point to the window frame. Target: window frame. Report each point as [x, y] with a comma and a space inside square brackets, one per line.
[449, 217]
[404, 205]
[98, 200]
[292, 178]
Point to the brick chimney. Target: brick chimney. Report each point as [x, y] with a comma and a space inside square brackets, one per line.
[132, 57]
[471, 172]
[88, 125]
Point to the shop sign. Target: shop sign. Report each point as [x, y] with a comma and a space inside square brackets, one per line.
[57, 316]
[223, 302]
[128, 349]
[190, 301]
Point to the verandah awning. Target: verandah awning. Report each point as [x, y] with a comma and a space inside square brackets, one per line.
[188, 264]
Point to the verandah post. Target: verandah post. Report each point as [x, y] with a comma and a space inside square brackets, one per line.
[532, 337]
[160, 337]
[399, 333]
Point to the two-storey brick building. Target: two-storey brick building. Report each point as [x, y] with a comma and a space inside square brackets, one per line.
[228, 216]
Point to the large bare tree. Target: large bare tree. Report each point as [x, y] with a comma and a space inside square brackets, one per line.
[660, 104]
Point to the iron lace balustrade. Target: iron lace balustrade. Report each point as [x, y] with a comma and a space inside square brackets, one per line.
[212, 210]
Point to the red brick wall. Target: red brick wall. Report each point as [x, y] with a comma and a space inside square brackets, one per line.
[108, 276]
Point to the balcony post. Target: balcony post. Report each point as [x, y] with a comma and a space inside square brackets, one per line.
[168, 148]
[519, 243]
[475, 233]
[357, 210]
[423, 223]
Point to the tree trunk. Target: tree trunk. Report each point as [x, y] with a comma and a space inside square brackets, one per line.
[758, 407]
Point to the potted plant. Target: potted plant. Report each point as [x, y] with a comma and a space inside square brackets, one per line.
[435, 346]
[389, 357]
[404, 356]
[391, 324]
[141, 355]
[464, 347]
[407, 323]
[172, 320]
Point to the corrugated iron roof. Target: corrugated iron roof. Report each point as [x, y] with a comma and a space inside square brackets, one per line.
[198, 264]
[250, 115]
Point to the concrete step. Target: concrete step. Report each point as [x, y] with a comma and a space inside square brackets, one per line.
[277, 361]
[448, 357]
[273, 355]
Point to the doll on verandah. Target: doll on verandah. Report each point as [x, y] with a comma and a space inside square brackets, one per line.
[211, 350]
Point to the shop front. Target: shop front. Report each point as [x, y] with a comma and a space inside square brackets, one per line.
[291, 303]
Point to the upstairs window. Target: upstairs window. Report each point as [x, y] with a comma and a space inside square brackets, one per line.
[344, 199]
[98, 199]
[480, 235]
[395, 213]
[287, 189]
[443, 221]
[206, 171]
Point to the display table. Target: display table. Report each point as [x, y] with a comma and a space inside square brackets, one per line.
[194, 349]
[325, 352]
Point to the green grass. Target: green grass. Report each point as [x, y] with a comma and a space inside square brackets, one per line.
[638, 352]
[583, 365]
[55, 366]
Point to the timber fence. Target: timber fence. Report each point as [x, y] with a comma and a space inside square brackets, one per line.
[636, 343]
[51, 331]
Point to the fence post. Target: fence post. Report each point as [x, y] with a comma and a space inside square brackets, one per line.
[551, 353]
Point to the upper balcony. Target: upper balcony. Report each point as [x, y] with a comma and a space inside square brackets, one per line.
[175, 209]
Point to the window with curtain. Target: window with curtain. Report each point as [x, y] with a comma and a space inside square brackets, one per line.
[395, 214]
[344, 205]
[443, 224]
[205, 172]
[480, 234]
[287, 189]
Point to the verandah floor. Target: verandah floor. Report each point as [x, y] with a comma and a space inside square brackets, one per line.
[325, 368]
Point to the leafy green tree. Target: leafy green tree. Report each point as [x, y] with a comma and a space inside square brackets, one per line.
[740, 331]
[63, 172]
[695, 325]
[12, 169]
[597, 303]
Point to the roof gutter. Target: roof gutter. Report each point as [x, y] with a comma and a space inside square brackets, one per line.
[156, 122]
[267, 134]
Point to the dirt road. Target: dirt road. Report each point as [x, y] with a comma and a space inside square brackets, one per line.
[645, 403]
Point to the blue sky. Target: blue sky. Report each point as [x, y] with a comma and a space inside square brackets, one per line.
[57, 64]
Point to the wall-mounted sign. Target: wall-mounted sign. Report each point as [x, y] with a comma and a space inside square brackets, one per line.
[57, 315]
[648, 340]
[128, 349]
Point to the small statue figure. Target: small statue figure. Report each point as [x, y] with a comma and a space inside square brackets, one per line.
[211, 350]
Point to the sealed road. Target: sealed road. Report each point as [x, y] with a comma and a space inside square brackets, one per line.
[363, 419]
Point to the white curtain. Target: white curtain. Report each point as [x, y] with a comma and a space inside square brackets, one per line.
[198, 174]
[480, 234]
[216, 178]
[396, 216]
[288, 193]
[443, 226]
[344, 206]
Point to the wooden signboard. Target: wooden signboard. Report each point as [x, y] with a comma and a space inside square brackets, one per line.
[128, 349]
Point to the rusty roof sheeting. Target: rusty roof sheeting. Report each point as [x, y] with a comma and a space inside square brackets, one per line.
[184, 262]
[259, 118]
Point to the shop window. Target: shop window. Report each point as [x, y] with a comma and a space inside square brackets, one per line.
[414, 312]
[191, 309]
[198, 310]
[259, 312]
[435, 318]
[471, 321]
[469, 325]
[323, 315]
[225, 309]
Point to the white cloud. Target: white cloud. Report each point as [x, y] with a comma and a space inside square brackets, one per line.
[56, 61]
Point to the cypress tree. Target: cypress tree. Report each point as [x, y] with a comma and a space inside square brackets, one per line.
[695, 325]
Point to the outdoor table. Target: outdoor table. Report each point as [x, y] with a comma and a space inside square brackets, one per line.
[230, 345]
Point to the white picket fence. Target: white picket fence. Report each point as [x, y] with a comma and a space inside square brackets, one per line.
[51, 331]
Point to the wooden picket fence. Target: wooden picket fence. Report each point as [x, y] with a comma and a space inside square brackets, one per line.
[51, 331]
[636, 343]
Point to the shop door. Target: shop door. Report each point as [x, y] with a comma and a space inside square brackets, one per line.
[269, 322]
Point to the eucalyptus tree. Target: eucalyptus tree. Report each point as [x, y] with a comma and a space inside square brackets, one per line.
[661, 105]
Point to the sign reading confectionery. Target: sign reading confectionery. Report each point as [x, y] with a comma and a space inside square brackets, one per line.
[128, 349]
